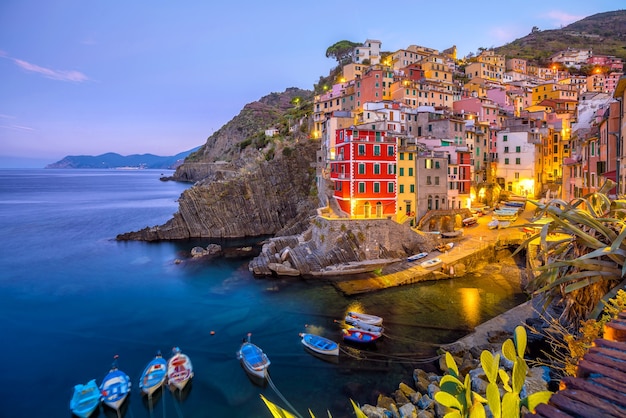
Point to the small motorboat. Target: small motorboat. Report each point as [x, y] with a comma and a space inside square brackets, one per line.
[253, 359]
[493, 224]
[368, 319]
[115, 387]
[320, 344]
[356, 335]
[85, 399]
[153, 375]
[179, 370]
[356, 323]
[442, 248]
[433, 262]
[416, 257]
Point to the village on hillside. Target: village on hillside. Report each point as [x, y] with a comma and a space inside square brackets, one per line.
[417, 130]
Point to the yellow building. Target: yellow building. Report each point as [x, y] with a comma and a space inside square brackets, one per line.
[406, 192]
[554, 91]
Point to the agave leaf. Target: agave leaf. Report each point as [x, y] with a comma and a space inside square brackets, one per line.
[493, 400]
[582, 283]
[277, 411]
[576, 276]
[357, 410]
[448, 400]
[510, 405]
[508, 350]
[531, 401]
[521, 339]
[602, 303]
[519, 374]
[451, 364]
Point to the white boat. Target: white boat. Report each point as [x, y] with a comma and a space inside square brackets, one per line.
[179, 370]
[366, 318]
[442, 248]
[253, 359]
[503, 224]
[115, 387]
[356, 323]
[416, 257]
[493, 224]
[433, 262]
[320, 344]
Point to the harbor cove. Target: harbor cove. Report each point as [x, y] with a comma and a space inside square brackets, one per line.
[73, 297]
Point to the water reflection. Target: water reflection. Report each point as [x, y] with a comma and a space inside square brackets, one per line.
[470, 302]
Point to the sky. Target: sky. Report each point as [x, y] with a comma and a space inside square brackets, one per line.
[85, 77]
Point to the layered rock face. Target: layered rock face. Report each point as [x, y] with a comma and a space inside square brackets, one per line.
[263, 198]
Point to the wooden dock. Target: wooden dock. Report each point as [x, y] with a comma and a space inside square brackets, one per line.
[599, 388]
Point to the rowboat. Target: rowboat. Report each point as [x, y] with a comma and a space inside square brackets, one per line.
[445, 247]
[356, 323]
[416, 257]
[452, 234]
[469, 221]
[253, 359]
[493, 224]
[503, 224]
[320, 344]
[368, 319]
[115, 387]
[356, 335]
[153, 375]
[85, 399]
[179, 370]
[433, 262]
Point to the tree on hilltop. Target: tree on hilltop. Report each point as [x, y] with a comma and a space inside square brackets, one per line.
[342, 51]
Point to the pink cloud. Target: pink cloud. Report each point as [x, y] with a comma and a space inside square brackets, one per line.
[75, 76]
[562, 18]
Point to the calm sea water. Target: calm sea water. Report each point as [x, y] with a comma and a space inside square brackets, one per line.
[71, 297]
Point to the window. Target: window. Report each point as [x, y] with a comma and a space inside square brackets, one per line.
[504, 138]
[428, 180]
[361, 168]
[428, 163]
[506, 150]
[376, 168]
[516, 176]
[391, 168]
[401, 171]
[390, 187]
[361, 150]
[518, 149]
[401, 156]
[377, 150]
[410, 171]
[410, 157]
[402, 188]
[506, 161]
[518, 161]
[412, 188]
[377, 187]
[390, 150]
[361, 187]
[436, 180]
[436, 164]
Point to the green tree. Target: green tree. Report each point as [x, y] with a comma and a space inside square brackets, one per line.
[342, 51]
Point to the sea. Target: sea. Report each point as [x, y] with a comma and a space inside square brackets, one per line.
[72, 297]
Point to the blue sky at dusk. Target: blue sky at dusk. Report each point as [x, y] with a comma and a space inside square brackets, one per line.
[94, 76]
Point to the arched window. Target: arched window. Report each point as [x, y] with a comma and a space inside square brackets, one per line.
[379, 210]
[367, 209]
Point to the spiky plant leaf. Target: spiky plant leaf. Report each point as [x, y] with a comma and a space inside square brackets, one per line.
[451, 365]
[357, 410]
[490, 365]
[277, 411]
[582, 283]
[595, 313]
[508, 350]
[520, 369]
[493, 400]
[531, 401]
[521, 340]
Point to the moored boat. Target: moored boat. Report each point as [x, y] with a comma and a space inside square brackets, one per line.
[115, 387]
[493, 224]
[442, 248]
[356, 335]
[320, 344]
[503, 224]
[452, 234]
[433, 262]
[469, 221]
[85, 399]
[416, 257]
[367, 318]
[356, 323]
[153, 375]
[179, 370]
[253, 359]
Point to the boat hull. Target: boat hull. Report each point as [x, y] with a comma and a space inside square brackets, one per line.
[253, 360]
[432, 263]
[359, 336]
[85, 399]
[153, 376]
[363, 325]
[368, 319]
[416, 257]
[179, 371]
[115, 388]
[320, 345]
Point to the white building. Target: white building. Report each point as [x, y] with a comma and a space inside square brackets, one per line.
[370, 50]
[516, 168]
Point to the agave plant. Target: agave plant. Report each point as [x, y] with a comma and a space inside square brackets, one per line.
[581, 252]
[278, 412]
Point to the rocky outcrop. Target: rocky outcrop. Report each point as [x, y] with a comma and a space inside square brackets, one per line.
[260, 198]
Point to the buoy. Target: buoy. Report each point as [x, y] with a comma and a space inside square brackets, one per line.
[212, 332]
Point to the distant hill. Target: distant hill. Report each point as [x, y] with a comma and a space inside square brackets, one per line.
[114, 160]
[604, 33]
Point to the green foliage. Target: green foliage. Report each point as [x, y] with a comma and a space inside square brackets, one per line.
[462, 402]
[342, 51]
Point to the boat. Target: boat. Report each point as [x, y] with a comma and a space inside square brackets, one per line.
[416, 257]
[253, 359]
[153, 375]
[442, 248]
[493, 224]
[320, 344]
[115, 387]
[366, 318]
[356, 323]
[452, 234]
[356, 335]
[469, 221]
[179, 370]
[503, 224]
[433, 262]
[85, 399]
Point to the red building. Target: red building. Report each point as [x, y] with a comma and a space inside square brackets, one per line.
[364, 172]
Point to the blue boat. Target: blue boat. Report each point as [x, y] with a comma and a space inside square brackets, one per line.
[320, 344]
[253, 359]
[85, 399]
[115, 387]
[153, 375]
[356, 335]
